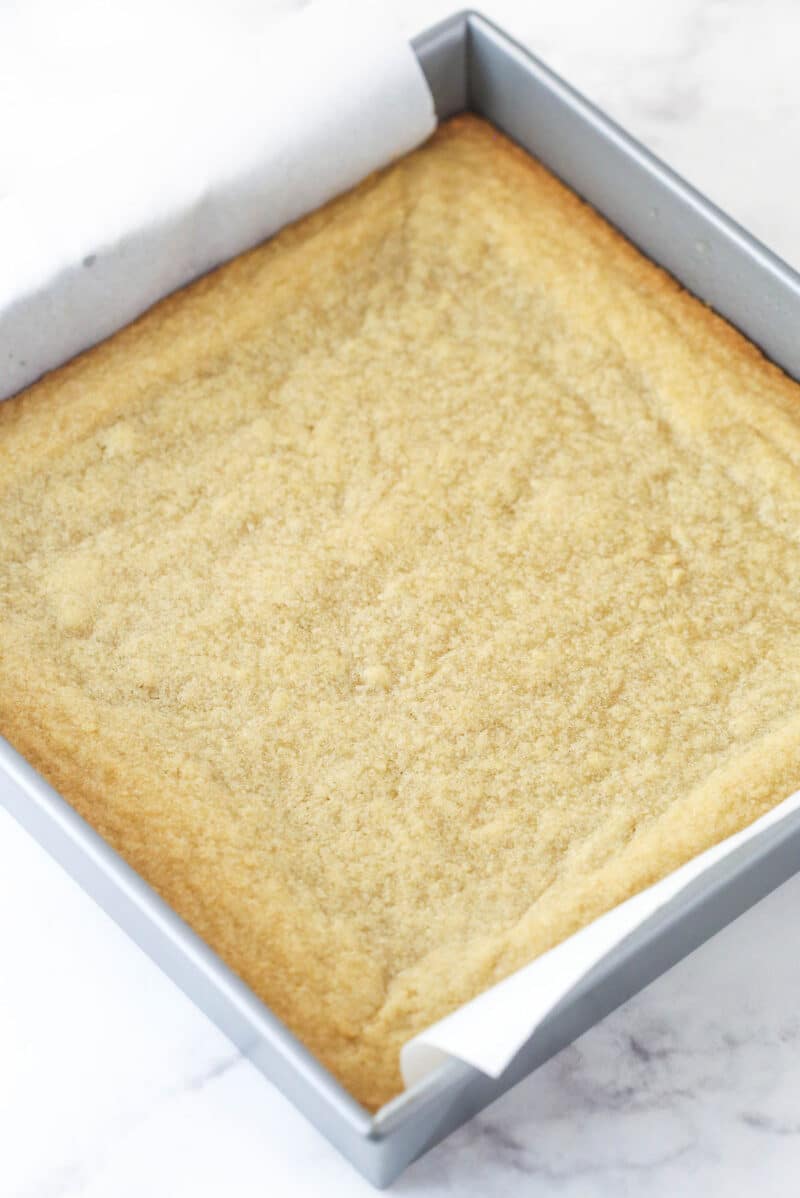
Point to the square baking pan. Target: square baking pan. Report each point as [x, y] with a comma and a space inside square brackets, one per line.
[471, 64]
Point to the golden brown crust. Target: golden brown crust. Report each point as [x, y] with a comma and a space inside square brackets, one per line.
[409, 591]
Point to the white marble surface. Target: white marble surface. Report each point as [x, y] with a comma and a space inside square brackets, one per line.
[113, 1085]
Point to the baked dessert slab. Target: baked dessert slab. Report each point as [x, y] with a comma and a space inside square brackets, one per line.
[408, 592]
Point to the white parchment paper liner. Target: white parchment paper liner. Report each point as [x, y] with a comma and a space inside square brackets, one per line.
[489, 1031]
[271, 127]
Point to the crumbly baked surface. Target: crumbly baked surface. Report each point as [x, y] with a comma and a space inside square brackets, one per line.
[408, 592]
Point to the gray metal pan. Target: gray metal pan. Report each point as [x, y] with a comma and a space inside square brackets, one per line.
[470, 64]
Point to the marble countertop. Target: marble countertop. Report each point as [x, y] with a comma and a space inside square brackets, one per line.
[113, 1085]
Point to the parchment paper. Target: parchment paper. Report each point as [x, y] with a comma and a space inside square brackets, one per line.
[490, 1030]
[255, 129]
